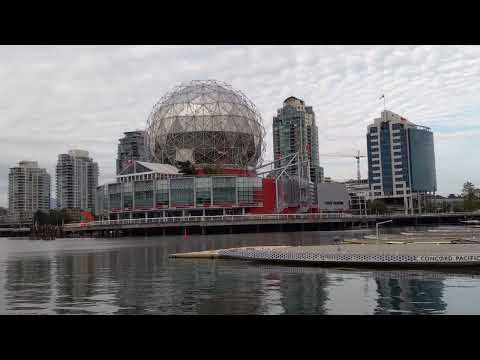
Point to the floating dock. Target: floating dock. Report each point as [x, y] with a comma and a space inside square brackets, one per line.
[379, 255]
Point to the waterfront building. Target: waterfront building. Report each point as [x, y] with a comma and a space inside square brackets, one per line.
[131, 147]
[28, 190]
[77, 180]
[208, 123]
[332, 197]
[219, 131]
[295, 131]
[358, 193]
[401, 161]
[158, 190]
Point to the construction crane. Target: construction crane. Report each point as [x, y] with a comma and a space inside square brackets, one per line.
[355, 156]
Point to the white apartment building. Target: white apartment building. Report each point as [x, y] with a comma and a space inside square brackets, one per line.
[28, 189]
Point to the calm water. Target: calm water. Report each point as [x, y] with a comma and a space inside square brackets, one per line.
[135, 276]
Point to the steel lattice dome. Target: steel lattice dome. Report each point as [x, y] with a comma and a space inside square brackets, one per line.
[208, 123]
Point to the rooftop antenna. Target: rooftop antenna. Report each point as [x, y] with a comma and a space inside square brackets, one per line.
[358, 166]
[383, 97]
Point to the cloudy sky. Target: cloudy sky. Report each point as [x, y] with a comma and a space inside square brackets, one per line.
[55, 98]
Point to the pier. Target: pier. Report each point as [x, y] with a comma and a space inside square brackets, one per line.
[254, 223]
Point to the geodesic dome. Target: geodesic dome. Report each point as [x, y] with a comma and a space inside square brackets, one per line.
[208, 123]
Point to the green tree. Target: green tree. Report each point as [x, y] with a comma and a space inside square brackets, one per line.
[64, 216]
[52, 217]
[213, 170]
[40, 217]
[469, 199]
[377, 207]
[186, 167]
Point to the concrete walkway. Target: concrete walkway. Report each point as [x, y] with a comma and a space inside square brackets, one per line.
[355, 254]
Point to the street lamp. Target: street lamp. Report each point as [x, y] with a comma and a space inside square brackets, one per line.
[380, 223]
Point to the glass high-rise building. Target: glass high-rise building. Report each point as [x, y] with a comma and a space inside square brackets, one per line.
[77, 180]
[295, 131]
[131, 147]
[28, 189]
[401, 159]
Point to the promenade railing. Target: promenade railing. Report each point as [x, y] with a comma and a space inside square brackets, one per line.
[243, 218]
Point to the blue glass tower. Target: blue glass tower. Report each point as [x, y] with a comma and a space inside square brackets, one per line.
[401, 159]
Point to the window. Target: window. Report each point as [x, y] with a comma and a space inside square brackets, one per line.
[397, 153]
[375, 156]
[399, 192]
[224, 190]
[375, 168]
[398, 166]
[399, 178]
[249, 190]
[399, 186]
[202, 190]
[181, 192]
[397, 147]
[377, 193]
[396, 140]
[143, 194]
[377, 187]
[373, 130]
[375, 162]
[161, 194]
[398, 172]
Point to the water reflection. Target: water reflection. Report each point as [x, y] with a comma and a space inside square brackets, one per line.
[28, 285]
[135, 276]
[408, 294]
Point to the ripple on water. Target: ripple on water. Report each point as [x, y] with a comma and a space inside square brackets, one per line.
[135, 276]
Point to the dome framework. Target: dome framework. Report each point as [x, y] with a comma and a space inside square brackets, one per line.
[208, 123]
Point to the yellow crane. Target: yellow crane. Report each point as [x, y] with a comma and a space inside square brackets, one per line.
[356, 156]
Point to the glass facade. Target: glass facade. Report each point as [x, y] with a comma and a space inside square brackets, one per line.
[180, 192]
[369, 155]
[386, 158]
[161, 193]
[294, 130]
[380, 142]
[203, 194]
[248, 190]
[224, 190]
[422, 160]
[401, 157]
[115, 196]
[127, 196]
[143, 194]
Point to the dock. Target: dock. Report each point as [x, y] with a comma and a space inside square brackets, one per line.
[416, 254]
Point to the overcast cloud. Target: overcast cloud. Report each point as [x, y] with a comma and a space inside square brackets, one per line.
[55, 98]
